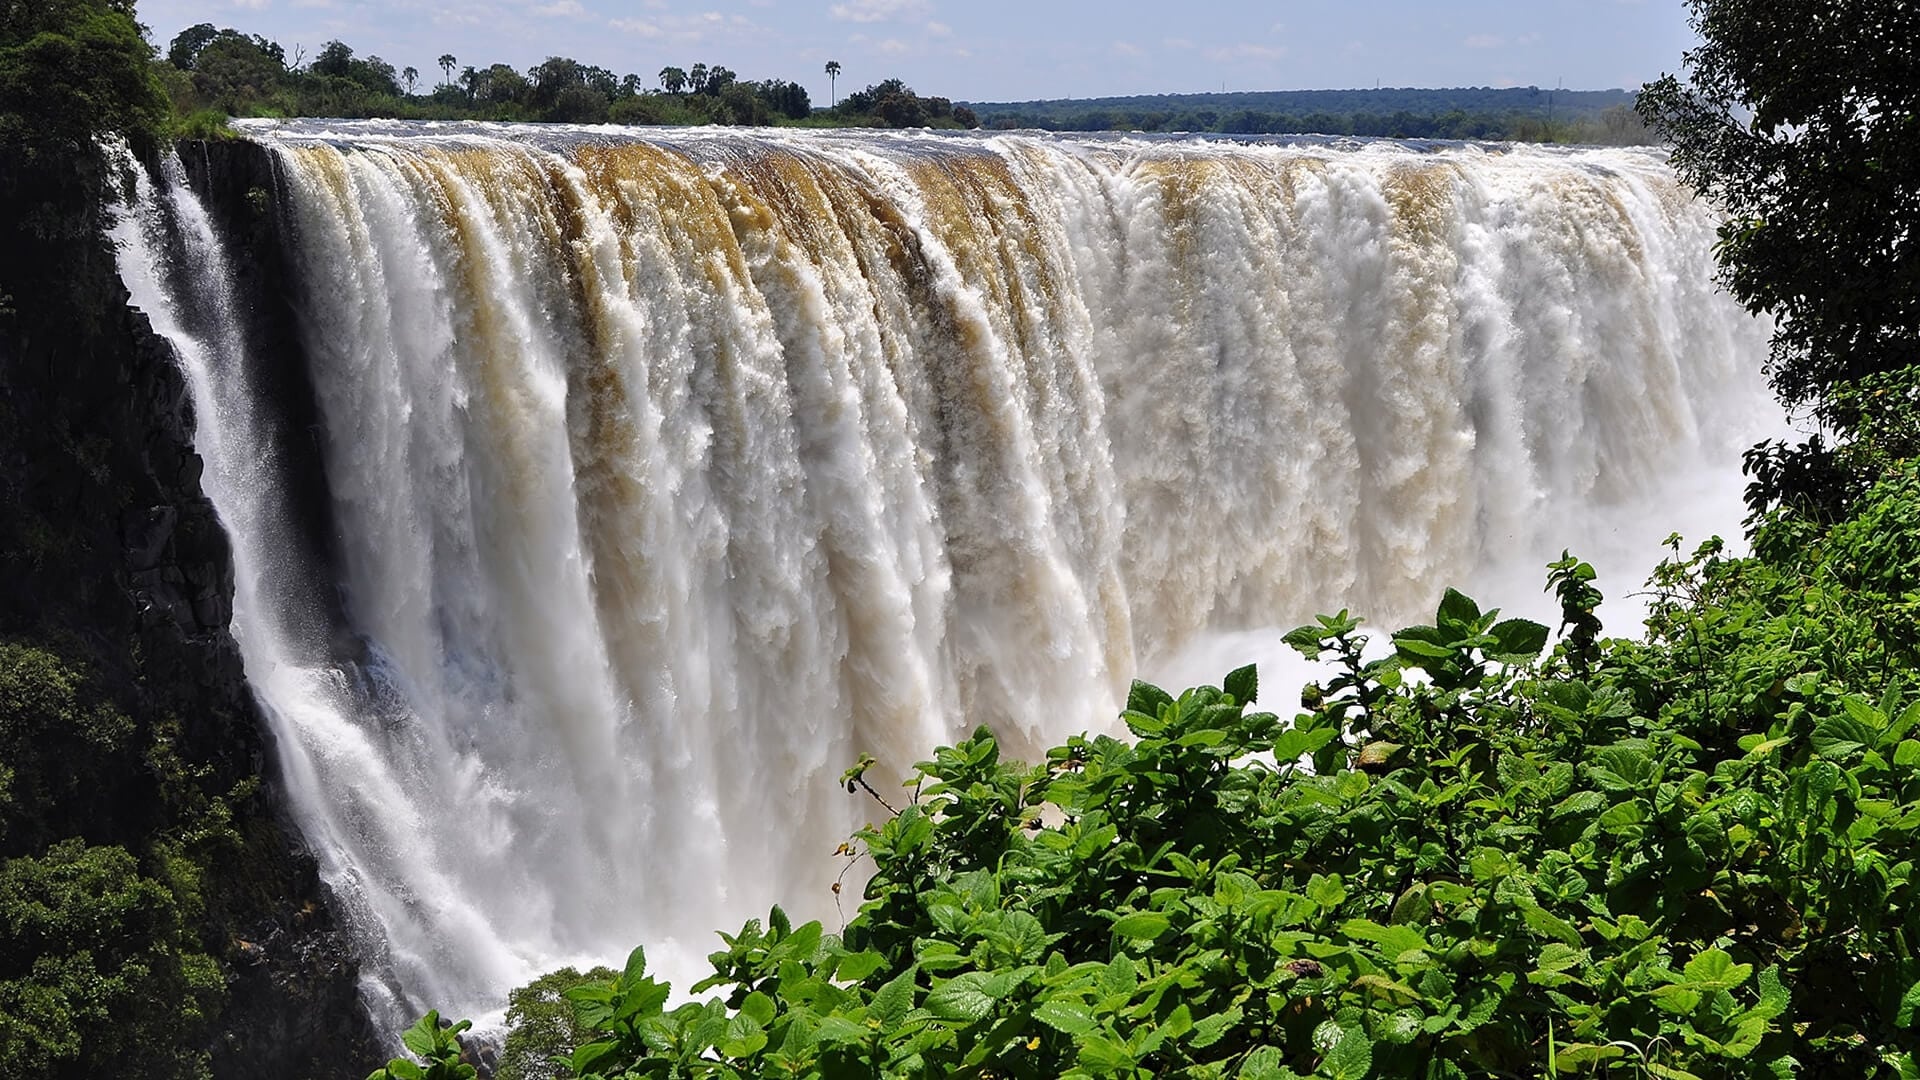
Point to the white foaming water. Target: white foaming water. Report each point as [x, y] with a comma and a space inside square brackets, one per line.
[671, 472]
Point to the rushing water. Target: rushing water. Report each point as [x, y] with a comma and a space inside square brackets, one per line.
[673, 471]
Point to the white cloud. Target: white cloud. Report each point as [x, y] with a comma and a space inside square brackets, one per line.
[252, 5]
[1247, 52]
[695, 29]
[866, 11]
[1484, 41]
[1127, 48]
[559, 9]
[939, 30]
[643, 27]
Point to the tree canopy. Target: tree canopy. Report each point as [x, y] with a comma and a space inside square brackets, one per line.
[1802, 119]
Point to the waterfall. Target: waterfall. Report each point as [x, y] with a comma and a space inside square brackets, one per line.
[671, 471]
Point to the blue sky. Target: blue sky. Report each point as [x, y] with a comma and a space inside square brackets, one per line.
[998, 50]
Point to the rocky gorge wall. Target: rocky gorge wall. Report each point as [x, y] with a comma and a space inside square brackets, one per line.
[111, 557]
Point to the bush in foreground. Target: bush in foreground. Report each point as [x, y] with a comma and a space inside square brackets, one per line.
[1688, 856]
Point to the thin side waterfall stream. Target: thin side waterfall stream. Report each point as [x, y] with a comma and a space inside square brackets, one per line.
[671, 471]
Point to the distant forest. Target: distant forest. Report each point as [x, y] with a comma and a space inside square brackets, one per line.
[1526, 113]
[212, 74]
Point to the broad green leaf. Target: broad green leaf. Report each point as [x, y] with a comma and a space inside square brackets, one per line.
[1392, 940]
[1414, 907]
[586, 1059]
[855, 967]
[592, 1004]
[1519, 640]
[1546, 922]
[1577, 1056]
[1456, 607]
[1351, 1058]
[744, 1038]
[892, 1002]
[1243, 684]
[1416, 649]
[759, 1008]
[840, 1031]
[1326, 890]
[1305, 640]
[1295, 743]
[1714, 969]
[1580, 802]
[1120, 978]
[1559, 956]
[1020, 934]
[1147, 698]
[1748, 1031]
[636, 968]
[1622, 816]
[423, 1038]
[1265, 1063]
[1774, 997]
[1841, 737]
[1100, 1054]
[962, 998]
[643, 999]
[1141, 925]
[1213, 1027]
[1909, 1006]
[1069, 1016]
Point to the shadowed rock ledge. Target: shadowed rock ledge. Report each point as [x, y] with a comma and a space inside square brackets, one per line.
[112, 556]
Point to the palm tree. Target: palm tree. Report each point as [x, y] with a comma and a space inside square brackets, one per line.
[673, 80]
[447, 64]
[833, 74]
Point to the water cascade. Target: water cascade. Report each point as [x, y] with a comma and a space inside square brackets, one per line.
[669, 472]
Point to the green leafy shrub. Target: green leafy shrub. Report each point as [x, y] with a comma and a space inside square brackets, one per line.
[101, 975]
[1685, 856]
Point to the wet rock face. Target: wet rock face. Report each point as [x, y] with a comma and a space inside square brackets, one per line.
[110, 549]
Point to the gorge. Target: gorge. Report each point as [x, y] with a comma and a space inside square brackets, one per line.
[596, 497]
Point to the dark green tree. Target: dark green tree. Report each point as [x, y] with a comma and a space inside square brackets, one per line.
[186, 45]
[72, 70]
[1802, 119]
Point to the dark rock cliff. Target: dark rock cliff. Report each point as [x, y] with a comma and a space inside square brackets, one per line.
[111, 552]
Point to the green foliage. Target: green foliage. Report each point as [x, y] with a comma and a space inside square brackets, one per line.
[100, 958]
[892, 103]
[50, 729]
[207, 124]
[1799, 117]
[73, 70]
[100, 971]
[1687, 856]
[211, 73]
[1521, 113]
[1800, 121]
[437, 1048]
